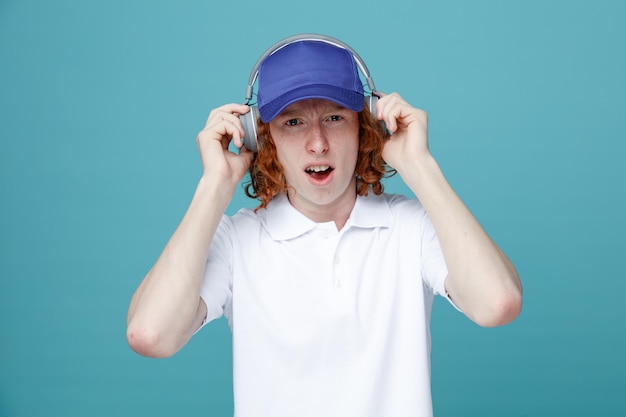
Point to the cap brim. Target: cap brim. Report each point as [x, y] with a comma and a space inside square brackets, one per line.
[346, 98]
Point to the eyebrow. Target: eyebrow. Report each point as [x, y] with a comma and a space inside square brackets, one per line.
[331, 107]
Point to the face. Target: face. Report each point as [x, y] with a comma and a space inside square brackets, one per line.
[317, 144]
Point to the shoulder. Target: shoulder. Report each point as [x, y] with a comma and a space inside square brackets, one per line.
[277, 214]
[243, 219]
[408, 214]
[400, 204]
[387, 211]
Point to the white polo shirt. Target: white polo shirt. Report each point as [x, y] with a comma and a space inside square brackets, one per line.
[328, 323]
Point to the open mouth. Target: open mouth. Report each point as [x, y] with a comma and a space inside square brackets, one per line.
[319, 172]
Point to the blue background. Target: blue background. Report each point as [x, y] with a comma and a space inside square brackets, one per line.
[100, 105]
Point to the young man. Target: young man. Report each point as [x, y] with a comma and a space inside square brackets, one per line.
[328, 285]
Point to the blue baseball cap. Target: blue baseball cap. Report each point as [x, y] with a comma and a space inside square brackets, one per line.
[308, 69]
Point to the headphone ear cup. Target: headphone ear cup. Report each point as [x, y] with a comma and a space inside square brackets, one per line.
[371, 103]
[248, 122]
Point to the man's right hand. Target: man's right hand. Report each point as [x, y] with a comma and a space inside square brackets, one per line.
[218, 162]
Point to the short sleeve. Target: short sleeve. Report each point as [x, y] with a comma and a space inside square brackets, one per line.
[216, 288]
[434, 268]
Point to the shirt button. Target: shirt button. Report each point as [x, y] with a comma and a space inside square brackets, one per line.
[337, 260]
[324, 235]
[338, 283]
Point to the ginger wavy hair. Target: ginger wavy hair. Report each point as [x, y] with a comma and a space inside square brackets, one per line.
[266, 173]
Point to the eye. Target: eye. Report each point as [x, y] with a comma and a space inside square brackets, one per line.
[335, 118]
[292, 122]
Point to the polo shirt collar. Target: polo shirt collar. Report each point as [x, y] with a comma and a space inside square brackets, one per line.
[283, 222]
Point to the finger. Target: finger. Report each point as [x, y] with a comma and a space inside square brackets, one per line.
[383, 104]
[228, 118]
[238, 134]
[391, 123]
[232, 109]
[223, 131]
[246, 152]
[233, 131]
[389, 112]
[395, 111]
[218, 116]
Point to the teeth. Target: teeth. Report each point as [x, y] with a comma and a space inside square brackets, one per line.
[317, 168]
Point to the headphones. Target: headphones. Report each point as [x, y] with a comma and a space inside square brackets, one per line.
[249, 120]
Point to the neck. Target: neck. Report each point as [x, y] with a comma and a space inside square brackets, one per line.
[337, 211]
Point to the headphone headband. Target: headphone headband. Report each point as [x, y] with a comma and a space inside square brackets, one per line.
[307, 37]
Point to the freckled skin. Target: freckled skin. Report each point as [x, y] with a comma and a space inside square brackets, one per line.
[318, 132]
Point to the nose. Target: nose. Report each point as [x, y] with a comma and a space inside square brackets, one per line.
[316, 141]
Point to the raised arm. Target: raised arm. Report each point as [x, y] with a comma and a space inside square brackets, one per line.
[166, 308]
[481, 280]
